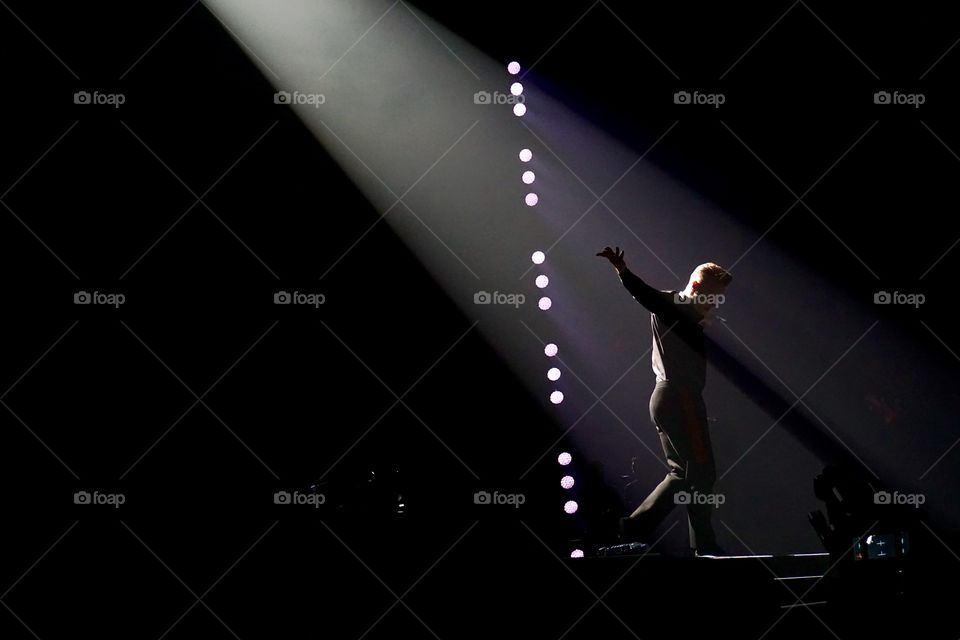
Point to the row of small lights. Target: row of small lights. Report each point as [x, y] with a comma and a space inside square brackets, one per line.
[539, 257]
[567, 482]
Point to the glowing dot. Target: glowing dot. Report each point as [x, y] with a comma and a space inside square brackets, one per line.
[526, 155]
[528, 177]
[556, 397]
[516, 88]
[538, 257]
[570, 506]
[545, 303]
[550, 350]
[553, 374]
[576, 553]
[519, 109]
[532, 199]
[566, 482]
[564, 459]
[542, 281]
[513, 68]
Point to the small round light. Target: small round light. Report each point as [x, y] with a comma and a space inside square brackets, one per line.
[538, 257]
[570, 506]
[542, 281]
[519, 109]
[551, 350]
[545, 303]
[566, 482]
[553, 374]
[564, 459]
[531, 199]
[516, 88]
[513, 68]
[526, 155]
[576, 553]
[528, 177]
[556, 397]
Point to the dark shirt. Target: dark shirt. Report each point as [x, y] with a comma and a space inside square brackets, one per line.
[678, 355]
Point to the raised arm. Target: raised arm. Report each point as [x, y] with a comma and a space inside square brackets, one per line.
[654, 300]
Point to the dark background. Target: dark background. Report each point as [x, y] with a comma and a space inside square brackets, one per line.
[91, 390]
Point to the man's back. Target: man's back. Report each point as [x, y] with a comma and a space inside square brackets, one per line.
[678, 353]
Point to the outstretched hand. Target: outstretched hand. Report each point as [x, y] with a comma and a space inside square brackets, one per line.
[615, 256]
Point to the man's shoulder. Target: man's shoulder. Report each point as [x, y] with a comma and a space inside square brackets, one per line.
[675, 296]
[668, 295]
[680, 304]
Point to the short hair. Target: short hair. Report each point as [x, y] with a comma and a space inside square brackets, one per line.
[711, 271]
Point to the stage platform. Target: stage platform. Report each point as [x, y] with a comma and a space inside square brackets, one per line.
[804, 595]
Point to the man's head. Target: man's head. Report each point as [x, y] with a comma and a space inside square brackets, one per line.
[707, 285]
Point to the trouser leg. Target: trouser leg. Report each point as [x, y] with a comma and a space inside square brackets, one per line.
[697, 451]
[680, 419]
[661, 500]
[702, 476]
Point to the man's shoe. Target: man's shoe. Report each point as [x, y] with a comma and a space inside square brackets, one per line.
[630, 548]
[710, 552]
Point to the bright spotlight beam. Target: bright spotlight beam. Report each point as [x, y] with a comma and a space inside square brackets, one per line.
[408, 112]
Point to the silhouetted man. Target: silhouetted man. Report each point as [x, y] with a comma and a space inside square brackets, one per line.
[676, 406]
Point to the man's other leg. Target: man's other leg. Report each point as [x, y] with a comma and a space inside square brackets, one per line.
[658, 505]
[701, 475]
